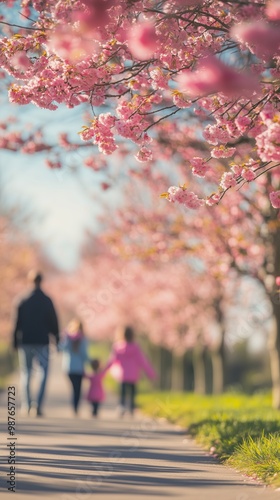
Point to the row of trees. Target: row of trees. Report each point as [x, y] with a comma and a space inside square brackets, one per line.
[182, 94]
[177, 277]
[151, 66]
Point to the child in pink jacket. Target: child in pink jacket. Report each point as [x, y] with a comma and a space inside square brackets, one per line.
[96, 392]
[128, 361]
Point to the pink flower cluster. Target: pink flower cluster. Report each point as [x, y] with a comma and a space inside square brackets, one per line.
[248, 174]
[180, 101]
[222, 152]
[212, 75]
[199, 166]
[101, 133]
[259, 36]
[268, 142]
[242, 123]
[144, 154]
[273, 10]
[132, 57]
[213, 199]
[20, 61]
[220, 132]
[245, 171]
[91, 163]
[275, 199]
[228, 180]
[159, 80]
[184, 197]
[69, 44]
[142, 40]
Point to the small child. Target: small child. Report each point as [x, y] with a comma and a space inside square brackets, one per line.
[129, 360]
[96, 392]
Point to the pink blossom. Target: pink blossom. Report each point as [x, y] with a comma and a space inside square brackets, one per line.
[20, 60]
[107, 119]
[222, 152]
[211, 76]
[216, 133]
[199, 166]
[184, 197]
[91, 162]
[242, 123]
[144, 154]
[237, 169]
[142, 40]
[69, 44]
[105, 186]
[260, 37]
[64, 141]
[268, 143]
[159, 79]
[180, 101]
[275, 199]
[272, 10]
[248, 174]
[86, 134]
[95, 16]
[183, 3]
[277, 280]
[29, 147]
[267, 114]
[53, 164]
[213, 199]
[19, 96]
[25, 11]
[228, 180]
[123, 110]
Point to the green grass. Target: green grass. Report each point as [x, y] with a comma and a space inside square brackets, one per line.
[7, 362]
[259, 457]
[239, 429]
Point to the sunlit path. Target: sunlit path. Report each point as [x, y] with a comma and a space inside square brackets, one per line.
[71, 458]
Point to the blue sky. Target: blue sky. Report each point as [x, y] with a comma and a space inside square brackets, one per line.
[61, 204]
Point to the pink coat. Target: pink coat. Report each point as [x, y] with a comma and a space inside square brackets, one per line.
[96, 391]
[127, 361]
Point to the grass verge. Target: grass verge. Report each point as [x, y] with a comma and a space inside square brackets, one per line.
[7, 364]
[242, 430]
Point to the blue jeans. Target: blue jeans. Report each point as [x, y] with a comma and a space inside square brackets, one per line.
[27, 353]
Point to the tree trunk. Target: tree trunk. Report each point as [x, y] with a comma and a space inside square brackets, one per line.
[199, 370]
[165, 369]
[274, 353]
[274, 341]
[218, 354]
[177, 376]
[217, 372]
[155, 355]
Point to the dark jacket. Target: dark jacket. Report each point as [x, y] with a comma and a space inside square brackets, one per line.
[36, 319]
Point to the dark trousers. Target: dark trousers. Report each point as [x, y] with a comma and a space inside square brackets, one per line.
[128, 392]
[76, 381]
[95, 408]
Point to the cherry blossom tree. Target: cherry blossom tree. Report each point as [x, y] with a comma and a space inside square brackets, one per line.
[193, 84]
[238, 238]
[17, 258]
[173, 314]
[148, 63]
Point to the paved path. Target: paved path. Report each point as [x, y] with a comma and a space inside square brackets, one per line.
[63, 457]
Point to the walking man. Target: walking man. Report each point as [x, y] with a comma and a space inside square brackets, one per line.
[36, 320]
